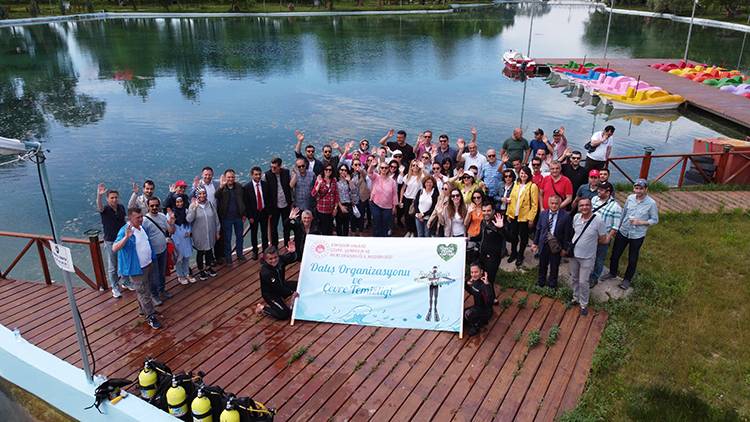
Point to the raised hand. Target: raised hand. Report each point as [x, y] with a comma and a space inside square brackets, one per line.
[222, 181]
[349, 145]
[171, 217]
[433, 151]
[562, 130]
[473, 132]
[294, 213]
[196, 182]
[460, 143]
[299, 135]
[334, 145]
[194, 203]
[390, 133]
[505, 158]
[172, 188]
[498, 221]
[135, 188]
[484, 278]
[128, 231]
[101, 189]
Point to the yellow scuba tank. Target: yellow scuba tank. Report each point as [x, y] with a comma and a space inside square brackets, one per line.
[201, 408]
[147, 382]
[230, 412]
[177, 399]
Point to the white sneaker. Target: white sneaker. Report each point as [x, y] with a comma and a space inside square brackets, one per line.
[191, 279]
[116, 294]
[182, 280]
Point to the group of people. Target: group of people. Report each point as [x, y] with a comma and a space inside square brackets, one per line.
[426, 189]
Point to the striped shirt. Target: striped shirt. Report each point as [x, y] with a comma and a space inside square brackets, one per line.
[610, 213]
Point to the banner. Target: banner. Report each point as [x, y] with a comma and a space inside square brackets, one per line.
[384, 282]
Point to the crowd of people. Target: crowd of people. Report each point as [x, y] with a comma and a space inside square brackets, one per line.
[424, 189]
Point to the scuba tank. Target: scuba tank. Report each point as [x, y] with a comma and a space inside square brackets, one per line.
[207, 404]
[230, 412]
[153, 382]
[245, 409]
[177, 399]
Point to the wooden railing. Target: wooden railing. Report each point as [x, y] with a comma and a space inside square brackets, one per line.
[719, 175]
[42, 241]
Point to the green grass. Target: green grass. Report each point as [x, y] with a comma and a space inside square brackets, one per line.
[715, 187]
[677, 348]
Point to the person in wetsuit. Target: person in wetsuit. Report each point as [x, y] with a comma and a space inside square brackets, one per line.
[274, 288]
[479, 287]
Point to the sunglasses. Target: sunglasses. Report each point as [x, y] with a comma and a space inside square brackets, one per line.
[536, 165]
[575, 158]
[453, 195]
[476, 197]
[383, 167]
[327, 169]
[301, 167]
[355, 164]
[508, 176]
[491, 155]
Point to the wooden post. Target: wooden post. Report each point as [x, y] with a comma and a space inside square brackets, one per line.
[646, 163]
[97, 263]
[43, 260]
[721, 167]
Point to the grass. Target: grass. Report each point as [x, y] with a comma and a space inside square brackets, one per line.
[20, 10]
[297, 355]
[676, 349]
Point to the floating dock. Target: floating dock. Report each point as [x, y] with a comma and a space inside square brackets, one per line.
[730, 107]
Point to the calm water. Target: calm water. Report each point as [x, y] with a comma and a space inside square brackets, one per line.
[123, 100]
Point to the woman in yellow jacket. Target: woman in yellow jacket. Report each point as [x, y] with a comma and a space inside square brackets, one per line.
[521, 212]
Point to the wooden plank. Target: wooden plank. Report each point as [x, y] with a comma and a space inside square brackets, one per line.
[505, 377]
[527, 374]
[583, 365]
[543, 377]
[451, 388]
[553, 396]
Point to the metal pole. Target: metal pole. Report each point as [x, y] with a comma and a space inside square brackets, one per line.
[531, 27]
[66, 275]
[742, 49]
[609, 23]
[690, 32]
[523, 102]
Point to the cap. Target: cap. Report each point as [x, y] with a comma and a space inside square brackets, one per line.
[606, 186]
[180, 183]
[539, 132]
[641, 182]
[397, 152]
[594, 173]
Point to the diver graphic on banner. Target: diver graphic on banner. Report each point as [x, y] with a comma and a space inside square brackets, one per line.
[434, 279]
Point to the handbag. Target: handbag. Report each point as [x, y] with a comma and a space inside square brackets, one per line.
[551, 241]
[590, 148]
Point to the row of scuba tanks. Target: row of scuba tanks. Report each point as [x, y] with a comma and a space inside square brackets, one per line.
[186, 397]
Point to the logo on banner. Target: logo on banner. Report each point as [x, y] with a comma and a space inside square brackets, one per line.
[447, 251]
[320, 249]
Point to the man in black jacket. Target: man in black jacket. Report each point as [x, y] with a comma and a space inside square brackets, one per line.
[279, 199]
[230, 202]
[256, 198]
[312, 163]
[491, 243]
[559, 223]
[274, 288]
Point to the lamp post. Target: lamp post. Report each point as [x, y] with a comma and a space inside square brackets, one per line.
[742, 49]
[609, 23]
[531, 28]
[690, 32]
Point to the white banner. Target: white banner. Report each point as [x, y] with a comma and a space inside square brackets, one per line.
[62, 256]
[385, 282]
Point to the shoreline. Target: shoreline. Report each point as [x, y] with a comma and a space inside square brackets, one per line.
[450, 8]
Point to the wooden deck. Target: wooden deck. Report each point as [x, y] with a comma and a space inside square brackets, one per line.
[697, 201]
[348, 372]
[728, 106]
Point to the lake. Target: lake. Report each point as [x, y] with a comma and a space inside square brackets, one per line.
[123, 100]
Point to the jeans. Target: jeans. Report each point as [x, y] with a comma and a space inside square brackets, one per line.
[141, 291]
[423, 230]
[580, 269]
[182, 266]
[227, 226]
[157, 274]
[601, 255]
[204, 256]
[634, 250]
[112, 276]
[381, 219]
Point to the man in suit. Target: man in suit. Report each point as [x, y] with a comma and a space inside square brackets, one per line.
[312, 163]
[256, 198]
[558, 222]
[279, 199]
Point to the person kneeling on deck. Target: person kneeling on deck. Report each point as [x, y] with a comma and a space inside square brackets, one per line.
[273, 286]
[135, 260]
[478, 285]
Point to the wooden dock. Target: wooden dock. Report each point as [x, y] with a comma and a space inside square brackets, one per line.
[733, 108]
[347, 372]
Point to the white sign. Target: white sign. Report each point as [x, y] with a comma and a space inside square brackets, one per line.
[62, 256]
[385, 282]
